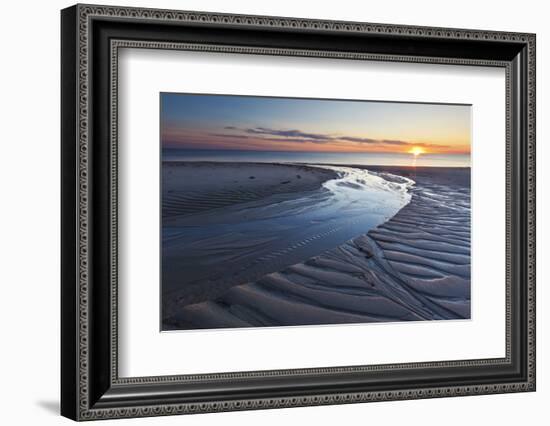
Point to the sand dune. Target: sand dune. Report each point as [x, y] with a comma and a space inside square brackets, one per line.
[415, 266]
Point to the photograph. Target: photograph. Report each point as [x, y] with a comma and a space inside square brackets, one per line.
[279, 211]
[264, 209]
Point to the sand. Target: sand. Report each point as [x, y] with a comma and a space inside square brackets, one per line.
[413, 266]
[192, 187]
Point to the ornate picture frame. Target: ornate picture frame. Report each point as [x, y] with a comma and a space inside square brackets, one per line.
[91, 37]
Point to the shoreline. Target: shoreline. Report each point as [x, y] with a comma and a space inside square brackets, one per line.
[340, 158]
[216, 246]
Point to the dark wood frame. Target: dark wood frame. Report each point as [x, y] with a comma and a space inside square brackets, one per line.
[91, 37]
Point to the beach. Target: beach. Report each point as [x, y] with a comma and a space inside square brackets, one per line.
[263, 244]
[190, 187]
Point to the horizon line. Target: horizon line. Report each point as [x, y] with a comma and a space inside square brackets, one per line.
[327, 164]
[310, 152]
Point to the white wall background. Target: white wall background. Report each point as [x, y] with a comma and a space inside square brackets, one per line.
[29, 211]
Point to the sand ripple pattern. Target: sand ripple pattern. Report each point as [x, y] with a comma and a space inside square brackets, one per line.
[416, 266]
[178, 200]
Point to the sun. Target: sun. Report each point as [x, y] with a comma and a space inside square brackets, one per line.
[416, 151]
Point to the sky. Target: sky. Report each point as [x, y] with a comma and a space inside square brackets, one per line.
[253, 123]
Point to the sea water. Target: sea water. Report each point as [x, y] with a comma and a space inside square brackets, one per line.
[370, 158]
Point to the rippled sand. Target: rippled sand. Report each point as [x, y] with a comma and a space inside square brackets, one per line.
[414, 266]
[189, 187]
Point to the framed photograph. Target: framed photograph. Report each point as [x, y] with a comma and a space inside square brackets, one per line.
[263, 212]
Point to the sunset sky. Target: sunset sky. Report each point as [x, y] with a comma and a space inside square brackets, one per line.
[221, 122]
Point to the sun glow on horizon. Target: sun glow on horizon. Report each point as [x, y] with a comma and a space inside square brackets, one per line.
[417, 150]
[425, 133]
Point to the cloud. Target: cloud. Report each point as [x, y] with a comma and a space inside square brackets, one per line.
[374, 141]
[228, 135]
[296, 140]
[358, 140]
[268, 139]
[396, 142]
[298, 136]
[288, 133]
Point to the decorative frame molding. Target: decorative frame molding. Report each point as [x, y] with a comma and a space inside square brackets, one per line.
[91, 388]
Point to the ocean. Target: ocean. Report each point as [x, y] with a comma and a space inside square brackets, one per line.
[371, 158]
